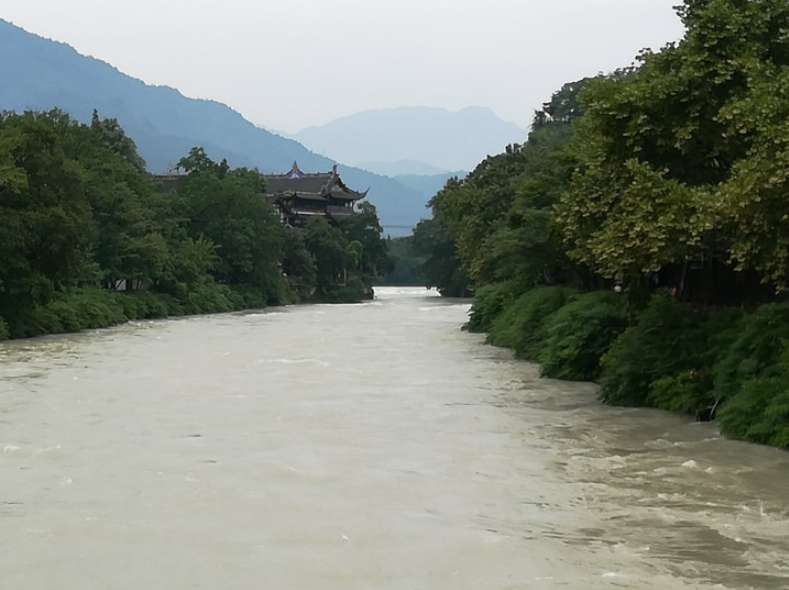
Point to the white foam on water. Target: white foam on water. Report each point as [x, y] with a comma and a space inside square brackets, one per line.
[318, 362]
[47, 450]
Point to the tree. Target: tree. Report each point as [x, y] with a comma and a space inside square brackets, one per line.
[227, 207]
[499, 218]
[46, 228]
[442, 268]
[115, 139]
[364, 228]
[129, 246]
[475, 207]
[406, 263]
[297, 262]
[328, 247]
[527, 248]
[682, 158]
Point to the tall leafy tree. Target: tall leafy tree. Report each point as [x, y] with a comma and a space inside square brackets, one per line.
[46, 228]
[442, 268]
[364, 228]
[527, 248]
[499, 217]
[680, 157]
[227, 207]
[475, 207]
[129, 246]
[329, 249]
[298, 264]
[114, 138]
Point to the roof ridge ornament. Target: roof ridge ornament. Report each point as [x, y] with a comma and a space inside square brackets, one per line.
[294, 171]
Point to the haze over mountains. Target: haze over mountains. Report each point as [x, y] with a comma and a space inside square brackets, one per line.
[40, 74]
[410, 140]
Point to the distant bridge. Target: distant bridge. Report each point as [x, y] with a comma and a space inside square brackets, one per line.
[397, 231]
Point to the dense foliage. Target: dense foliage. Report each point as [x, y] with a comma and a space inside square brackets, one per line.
[684, 158]
[520, 325]
[666, 341]
[440, 266]
[645, 212]
[576, 336]
[406, 264]
[88, 238]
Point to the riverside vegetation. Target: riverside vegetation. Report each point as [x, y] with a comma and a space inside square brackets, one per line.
[89, 239]
[640, 237]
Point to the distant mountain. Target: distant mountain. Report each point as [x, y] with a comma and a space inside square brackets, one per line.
[427, 185]
[40, 74]
[393, 169]
[432, 136]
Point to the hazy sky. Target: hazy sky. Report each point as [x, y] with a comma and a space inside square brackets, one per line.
[290, 64]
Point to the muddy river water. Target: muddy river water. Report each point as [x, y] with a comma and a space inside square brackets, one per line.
[359, 447]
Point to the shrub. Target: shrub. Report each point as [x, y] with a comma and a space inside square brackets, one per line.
[353, 291]
[759, 410]
[45, 319]
[71, 310]
[64, 317]
[131, 305]
[666, 341]
[752, 378]
[692, 390]
[24, 325]
[753, 350]
[684, 392]
[489, 302]
[518, 326]
[576, 336]
[97, 308]
[148, 304]
[247, 297]
[210, 298]
[5, 333]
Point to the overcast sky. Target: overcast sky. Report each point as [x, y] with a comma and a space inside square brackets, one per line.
[291, 64]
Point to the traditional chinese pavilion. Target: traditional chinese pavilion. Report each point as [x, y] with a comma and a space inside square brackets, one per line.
[299, 195]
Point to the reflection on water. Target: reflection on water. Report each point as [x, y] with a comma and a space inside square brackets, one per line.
[371, 446]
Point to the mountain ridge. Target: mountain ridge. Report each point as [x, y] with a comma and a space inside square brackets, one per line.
[41, 74]
[393, 169]
[432, 136]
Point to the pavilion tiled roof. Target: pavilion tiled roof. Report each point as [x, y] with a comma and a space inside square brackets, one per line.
[312, 186]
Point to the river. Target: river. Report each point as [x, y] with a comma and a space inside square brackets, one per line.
[359, 447]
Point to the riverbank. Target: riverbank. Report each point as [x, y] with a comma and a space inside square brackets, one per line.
[721, 364]
[82, 221]
[82, 308]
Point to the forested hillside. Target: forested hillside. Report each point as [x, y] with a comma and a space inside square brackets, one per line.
[39, 74]
[640, 237]
[88, 238]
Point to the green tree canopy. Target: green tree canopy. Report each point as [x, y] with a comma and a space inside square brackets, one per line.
[46, 227]
[683, 156]
[227, 207]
